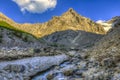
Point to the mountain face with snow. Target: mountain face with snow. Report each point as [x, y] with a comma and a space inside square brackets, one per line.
[107, 26]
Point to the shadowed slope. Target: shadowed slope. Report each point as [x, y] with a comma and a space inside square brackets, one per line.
[70, 38]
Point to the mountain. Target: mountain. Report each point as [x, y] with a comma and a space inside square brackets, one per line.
[108, 46]
[70, 20]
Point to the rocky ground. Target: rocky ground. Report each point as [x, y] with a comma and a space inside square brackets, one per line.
[19, 53]
[70, 65]
[81, 68]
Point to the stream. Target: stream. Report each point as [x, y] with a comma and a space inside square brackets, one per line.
[58, 74]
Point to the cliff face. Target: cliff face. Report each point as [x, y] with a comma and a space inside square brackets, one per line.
[70, 20]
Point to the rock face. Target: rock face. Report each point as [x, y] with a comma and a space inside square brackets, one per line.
[25, 68]
[70, 20]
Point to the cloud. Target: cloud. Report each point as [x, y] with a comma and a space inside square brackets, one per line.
[100, 21]
[36, 6]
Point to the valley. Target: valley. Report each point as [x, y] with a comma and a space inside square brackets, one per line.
[67, 47]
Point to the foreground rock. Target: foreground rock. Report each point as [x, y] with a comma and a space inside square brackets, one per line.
[25, 68]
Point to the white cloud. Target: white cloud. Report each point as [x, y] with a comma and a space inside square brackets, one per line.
[36, 6]
[100, 21]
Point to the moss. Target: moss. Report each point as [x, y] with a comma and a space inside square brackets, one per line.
[17, 32]
[25, 36]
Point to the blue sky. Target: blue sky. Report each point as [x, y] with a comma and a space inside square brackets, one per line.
[93, 9]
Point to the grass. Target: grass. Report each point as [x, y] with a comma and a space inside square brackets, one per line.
[8, 26]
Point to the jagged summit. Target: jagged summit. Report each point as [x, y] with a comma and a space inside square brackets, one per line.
[69, 14]
[70, 11]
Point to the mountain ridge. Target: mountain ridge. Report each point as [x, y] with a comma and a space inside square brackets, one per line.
[68, 20]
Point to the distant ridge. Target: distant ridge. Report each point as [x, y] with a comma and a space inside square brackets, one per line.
[114, 19]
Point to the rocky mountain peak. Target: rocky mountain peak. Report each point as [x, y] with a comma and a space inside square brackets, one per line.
[70, 13]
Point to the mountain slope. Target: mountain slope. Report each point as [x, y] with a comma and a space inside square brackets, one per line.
[12, 37]
[74, 39]
[109, 45]
[70, 20]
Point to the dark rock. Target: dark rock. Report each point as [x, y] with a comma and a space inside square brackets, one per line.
[68, 70]
[108, 62]
[50, 76]
[14, 68]
[37, 50]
